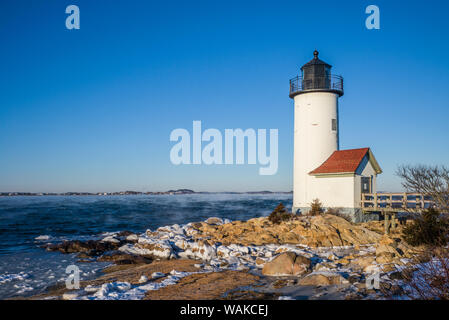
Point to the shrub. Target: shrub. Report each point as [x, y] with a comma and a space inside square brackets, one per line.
[430, 228]
[316, 208]
[280, 214]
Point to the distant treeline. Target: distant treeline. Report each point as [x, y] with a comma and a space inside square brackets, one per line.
[121, 193]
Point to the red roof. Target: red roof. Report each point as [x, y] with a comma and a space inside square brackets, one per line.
[342, 161]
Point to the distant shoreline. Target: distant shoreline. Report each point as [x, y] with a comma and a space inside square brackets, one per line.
[124, 193]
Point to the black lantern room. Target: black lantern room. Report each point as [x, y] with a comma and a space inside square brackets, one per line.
[316, 73]
[316, 76]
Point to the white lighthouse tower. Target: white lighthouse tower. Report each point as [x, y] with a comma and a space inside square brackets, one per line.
[315, 92]
[338, 178]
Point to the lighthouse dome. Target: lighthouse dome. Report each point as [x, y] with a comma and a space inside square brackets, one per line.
[315, 62]
[316, 76]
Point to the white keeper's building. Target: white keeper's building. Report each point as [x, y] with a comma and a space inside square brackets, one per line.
[321, 170]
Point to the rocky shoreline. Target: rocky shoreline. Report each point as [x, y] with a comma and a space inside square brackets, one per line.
[308, 257]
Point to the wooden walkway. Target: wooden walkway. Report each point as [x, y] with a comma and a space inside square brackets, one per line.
[394, 202]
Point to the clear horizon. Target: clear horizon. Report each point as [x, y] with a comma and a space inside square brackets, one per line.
[92, 109]
[143, 191]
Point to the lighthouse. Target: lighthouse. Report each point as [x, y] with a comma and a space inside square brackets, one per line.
[320, 169]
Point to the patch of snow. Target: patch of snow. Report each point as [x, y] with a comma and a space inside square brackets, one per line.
[91, 288]
[132, 237]
[42, 238]
[285, 298]
[23, 288]
[157, 275]
[126, 291]
[14, 276]
[111, 239]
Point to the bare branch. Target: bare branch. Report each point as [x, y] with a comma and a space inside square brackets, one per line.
[430, 181]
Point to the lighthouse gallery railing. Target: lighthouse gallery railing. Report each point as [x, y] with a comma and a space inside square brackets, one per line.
[331, 82]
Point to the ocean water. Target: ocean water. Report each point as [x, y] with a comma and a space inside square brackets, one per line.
[28, 222]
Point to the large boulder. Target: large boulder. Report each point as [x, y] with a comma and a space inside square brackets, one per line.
[322, 279]
[285, 264]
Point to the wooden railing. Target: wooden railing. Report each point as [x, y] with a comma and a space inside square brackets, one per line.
[395, 202]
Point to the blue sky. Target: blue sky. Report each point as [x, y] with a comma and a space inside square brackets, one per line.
[92, 109]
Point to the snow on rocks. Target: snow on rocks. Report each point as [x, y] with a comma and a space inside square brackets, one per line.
[157, 275]
[111, 290]
[285, 298]
[345, 266]
[149, 246]
[219, 245]
[157, 247]
[317, 266]
[23, 288]
[91, 288]
[13, 276]
[195, 249]
[178, 241]
[42, 238]
[132, 237]
[125, 290]
[143, 279]
[111, 239]
[168, 232]
[223, 251]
